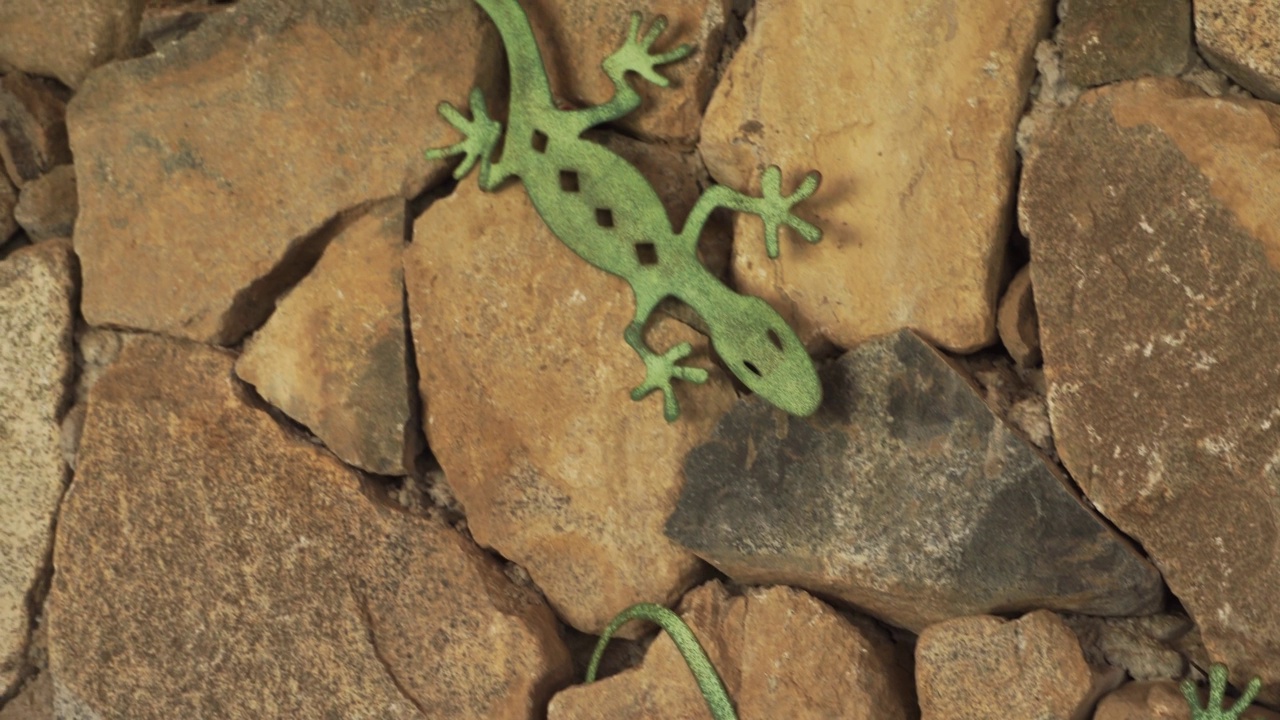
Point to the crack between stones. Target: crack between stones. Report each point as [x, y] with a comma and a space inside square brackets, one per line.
[366, 619]
[38, 593]
[254, 304]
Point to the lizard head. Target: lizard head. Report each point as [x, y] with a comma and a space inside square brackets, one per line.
[762, 351]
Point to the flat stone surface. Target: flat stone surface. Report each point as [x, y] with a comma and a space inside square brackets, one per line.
[33, 702]
[1104, 41]
[47, 205]
[904, 496]
[67, 39]
[1156, 256]
[984, 667]
[576, 37]
[1242, 39]
[37, 313]
[781, 654]
[211, 564]
[33, 127]
[164, 24]
[199, 207]
[913, 132]
[526, 381]
[333, 356]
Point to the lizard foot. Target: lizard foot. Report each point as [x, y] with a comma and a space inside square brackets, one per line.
[776, 208]
[660, 370]
[1213, 710]
[481, 134]
[635, 55]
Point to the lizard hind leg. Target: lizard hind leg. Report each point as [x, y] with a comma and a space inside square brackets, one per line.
[661, 370]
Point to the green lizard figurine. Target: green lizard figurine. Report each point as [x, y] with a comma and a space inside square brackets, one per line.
[1213, 709]
[605, 211]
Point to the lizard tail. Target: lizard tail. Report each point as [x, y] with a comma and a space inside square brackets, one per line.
[529, 85]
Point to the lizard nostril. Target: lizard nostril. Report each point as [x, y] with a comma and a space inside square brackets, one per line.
[604, 217]
[539, 141]
[569, 181]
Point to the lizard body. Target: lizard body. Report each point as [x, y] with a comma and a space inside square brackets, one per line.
[603, 209]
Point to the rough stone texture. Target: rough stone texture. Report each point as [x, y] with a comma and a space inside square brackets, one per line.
[1016, 320]
[917, 188]
[37, 311]
[210, 564]
[1145, 647]
[526, 382]
[781, 653]
[1160, 701]
[1051, 93]
[576, 37]
[1242, 39]
[66, 39]
[33, 127]
[34, 702]
[190, 223]
[985, 667]
[47, 205]
[8, 199]
[1016, 394]
[903, 449]
[165, 24]
[334, 356]
[1156, 256]
[1104, 41]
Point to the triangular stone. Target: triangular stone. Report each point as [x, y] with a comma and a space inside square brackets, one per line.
[904, 496]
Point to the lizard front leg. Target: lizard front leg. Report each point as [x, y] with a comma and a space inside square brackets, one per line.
[481, 137]
[773, 207]
[633, 56]
[660, 370]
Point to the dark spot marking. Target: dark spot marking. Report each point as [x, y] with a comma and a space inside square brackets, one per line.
[569, 181]
[604, 217]
[539, 141]
[647, 254]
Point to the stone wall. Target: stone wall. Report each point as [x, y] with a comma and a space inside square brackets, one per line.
[295, 424]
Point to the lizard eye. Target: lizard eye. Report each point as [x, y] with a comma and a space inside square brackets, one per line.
[773, 338]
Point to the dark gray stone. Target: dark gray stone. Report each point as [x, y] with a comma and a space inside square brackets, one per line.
[1104, 41]
[904, 496]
